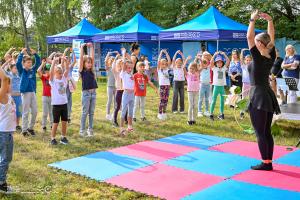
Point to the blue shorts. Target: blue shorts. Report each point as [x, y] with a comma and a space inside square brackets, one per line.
[18, 102]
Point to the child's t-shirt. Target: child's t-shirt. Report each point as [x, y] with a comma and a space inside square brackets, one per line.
[8, 116]
[178, 74]
[163, 76]
[46, 86]
[127, 80]
[15, 82]
[193, 82]
[140, 84]
[58, 91]
[245, 74]
[219, 76]
[110, 78]
[205, 76]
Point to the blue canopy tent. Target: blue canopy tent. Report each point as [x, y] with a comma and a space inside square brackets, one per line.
[212, 25]
[137, 29]
[83, 30]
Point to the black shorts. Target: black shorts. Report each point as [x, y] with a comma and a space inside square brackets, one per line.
[60, 112]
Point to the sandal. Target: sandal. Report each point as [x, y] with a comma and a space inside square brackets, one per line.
[129, 129]
[123, 132]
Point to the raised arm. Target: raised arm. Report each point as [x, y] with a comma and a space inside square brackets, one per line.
[37, 60]
[19, 64]
[81, 57]
[107, 59]
[92, 50]
[39, 70]
[174, 58]
[51, 56]
[227, 59]
[271, 30]
[168, 58]
[242, 56]
[212, 60]
[159, 58]
[54, 61]
[67, 66]
[251, 29]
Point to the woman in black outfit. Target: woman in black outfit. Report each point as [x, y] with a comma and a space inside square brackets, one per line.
[263, 102]
[276, 72]
[135, 51]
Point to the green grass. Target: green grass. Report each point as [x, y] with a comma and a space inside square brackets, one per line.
[30, 174]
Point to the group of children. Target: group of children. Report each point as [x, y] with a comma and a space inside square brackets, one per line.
[125, 89]
[205, 77]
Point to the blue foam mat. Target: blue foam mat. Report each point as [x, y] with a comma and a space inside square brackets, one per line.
[102, 165]
[236, 190]
[195, 140]
[213, 162]
[292, 159]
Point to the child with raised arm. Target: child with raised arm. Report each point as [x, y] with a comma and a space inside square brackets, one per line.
[7, 128]
[59, 100]
[140, 89]
[204, 86]
[164, 83]
[193, 86]
[15, 93]
[89, 86]
[219, 68]
[71, 87]
[128, 94]
[27, 71]
[43, 72]
[111, 87]
[179, 71]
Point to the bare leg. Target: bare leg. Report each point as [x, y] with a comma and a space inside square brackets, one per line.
[64, 128]
[54, 129]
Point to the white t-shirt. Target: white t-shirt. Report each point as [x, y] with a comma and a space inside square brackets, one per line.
[163, 76]
[127, 80]
[219, 77]
[178, 74]
[8, 116]
[58, 91]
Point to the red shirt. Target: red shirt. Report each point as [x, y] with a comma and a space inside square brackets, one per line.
[46, 86]
[140, 83]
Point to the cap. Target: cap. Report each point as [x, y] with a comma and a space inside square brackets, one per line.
[218, 58]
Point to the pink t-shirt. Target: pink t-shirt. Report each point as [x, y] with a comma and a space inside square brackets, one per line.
[193, 82]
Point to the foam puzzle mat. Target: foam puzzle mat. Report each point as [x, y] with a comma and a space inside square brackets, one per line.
[192, 166]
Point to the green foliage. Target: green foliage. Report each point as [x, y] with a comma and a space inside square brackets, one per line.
[54, 16]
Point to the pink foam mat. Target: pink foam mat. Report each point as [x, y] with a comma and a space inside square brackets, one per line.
[249, 149]
[165, 181]
[282, 177]
[155, 151]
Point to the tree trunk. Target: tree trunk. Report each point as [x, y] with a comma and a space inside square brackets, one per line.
[25, 32]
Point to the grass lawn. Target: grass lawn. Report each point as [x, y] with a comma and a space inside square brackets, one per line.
[30, 174]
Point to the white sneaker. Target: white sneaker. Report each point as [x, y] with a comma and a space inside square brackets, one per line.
[175, 112]
[207, 114]
[82, 133]
[181, 112]
[90, 133]
[200, 114]
[160, 116]
[108, 117]
[164, 116]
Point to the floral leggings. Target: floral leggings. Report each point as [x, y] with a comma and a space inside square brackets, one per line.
[164, 97]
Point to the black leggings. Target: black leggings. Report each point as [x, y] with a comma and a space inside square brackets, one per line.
[262, 121]
[119, 95]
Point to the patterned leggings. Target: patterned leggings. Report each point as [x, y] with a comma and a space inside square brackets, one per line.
[164, 97]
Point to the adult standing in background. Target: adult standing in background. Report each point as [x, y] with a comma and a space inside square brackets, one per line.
[235, 70]
[276, 72]
[290, 66]
[135, 51]
[263, 102]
